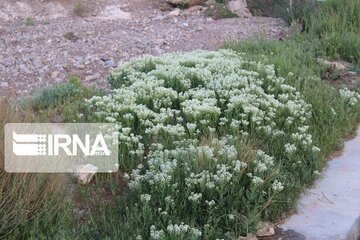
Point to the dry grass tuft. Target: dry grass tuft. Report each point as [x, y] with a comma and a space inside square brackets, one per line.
[23, 196]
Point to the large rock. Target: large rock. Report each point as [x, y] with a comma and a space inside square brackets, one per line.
[239, 7]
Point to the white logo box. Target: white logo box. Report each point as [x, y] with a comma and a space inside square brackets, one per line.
[60, 147]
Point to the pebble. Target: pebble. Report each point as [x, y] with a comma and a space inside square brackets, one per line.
[96, 76]
[55, 74]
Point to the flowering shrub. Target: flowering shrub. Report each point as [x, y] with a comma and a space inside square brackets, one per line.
[210, 143]
[350, 98]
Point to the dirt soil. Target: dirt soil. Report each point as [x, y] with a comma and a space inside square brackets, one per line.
[43, 42]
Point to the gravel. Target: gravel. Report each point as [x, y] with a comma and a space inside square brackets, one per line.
[91, 47]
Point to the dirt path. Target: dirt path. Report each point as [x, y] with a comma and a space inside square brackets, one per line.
[59, 44]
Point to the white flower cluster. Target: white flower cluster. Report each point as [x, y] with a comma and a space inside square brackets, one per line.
[182, 116]
[156, 234]
[145, 198]
[351, 98]
[174, 231]
[195, 197]
[277, 186]
[183, 230]
[198, 93]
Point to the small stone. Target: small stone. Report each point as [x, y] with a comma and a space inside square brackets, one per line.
[85, 173]
[158, 50]
[108, 61]
[80, 66]
[4, 84]
[55, 74]
[210, 2]
[195, 9]
[199, 29]
[89, 72]
[93, 77]
[24, 69]
[113, 12]
[265, 230]
[185, 24]
[174, 13]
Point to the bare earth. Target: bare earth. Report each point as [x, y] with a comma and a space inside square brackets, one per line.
[61, 44]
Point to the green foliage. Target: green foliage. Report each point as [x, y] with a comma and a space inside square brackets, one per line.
[288, 10]
[29, 22]
[299, 56]
[220, 10]
[333, 25]
[53, 95]
[337, 26]
[64, 99]
[197, 128]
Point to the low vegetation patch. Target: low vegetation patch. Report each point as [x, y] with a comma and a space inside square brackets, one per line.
[288, 10]
[30, 206]
[331, 25]
[63, 100]
[220, 10]
[29, 22]
[211, 143]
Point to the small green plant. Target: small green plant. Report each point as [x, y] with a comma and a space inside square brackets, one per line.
[288, 10]
[80, 8]
[64, 99]
[53, 95]
[220, 10]
[29, 22]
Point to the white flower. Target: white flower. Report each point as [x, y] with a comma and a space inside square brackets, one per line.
[351, 98]
[195, 197]
[316, 149]
[210, 203]
[156, 234]
[290, 148]
[145, 198]
[257, 180]
[277, 186]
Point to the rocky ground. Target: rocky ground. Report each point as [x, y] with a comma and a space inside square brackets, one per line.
[55, 43]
